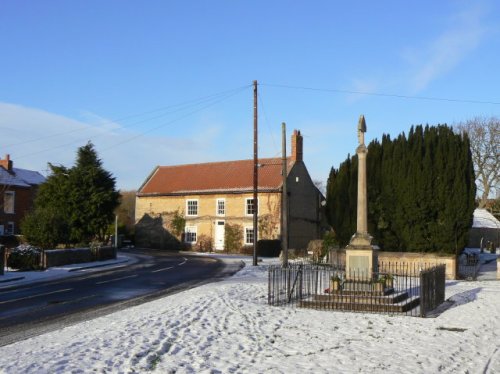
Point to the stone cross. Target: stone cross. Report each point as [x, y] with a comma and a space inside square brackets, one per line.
[361, 130]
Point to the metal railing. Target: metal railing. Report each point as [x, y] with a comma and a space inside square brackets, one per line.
[468, 266]
[395, 289]
[432, 288]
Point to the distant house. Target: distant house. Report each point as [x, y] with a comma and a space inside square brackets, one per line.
[18, 188]
[211, 196]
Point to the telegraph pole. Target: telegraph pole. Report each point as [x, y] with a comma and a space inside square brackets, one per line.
[255, 175]
[284, 199]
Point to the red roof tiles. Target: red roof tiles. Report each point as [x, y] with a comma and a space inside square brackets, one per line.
[229, 176]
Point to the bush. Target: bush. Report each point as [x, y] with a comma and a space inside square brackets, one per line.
[233, 238]
[204, 243]
[24, 257]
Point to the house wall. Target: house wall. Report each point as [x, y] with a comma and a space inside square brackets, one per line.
[23, 203]
[304, 212]
[152, 214]
[487, 234]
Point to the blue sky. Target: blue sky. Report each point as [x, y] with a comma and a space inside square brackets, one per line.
[113, 72]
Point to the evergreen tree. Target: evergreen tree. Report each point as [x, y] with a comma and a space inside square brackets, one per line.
[420, 192]
[74, 205]
[93, 198]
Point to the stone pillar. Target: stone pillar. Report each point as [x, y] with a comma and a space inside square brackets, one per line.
[362, 218]
[361, 258]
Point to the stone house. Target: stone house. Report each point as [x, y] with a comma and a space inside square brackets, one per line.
[210, 196]
[17, 188]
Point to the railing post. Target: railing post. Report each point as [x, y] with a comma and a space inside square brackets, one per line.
[422, 295]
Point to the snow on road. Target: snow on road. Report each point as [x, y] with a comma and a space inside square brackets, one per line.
[227, 327]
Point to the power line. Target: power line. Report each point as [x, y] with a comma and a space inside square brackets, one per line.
[429, 98]
[226, 96]
[174, 120]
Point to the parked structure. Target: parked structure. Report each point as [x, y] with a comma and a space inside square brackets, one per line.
[18, 188]
[211, 196]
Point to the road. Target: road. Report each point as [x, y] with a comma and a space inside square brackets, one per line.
[34, 309]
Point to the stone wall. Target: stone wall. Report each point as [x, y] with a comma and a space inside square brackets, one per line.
[410, 259]
[422, 260]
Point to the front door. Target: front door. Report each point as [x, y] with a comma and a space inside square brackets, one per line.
[219, 235]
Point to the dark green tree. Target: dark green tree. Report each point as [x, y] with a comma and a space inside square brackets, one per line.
[93, 198]
[74, 205]
[420, 191]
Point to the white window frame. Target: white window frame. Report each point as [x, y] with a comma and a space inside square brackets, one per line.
[245, 235]
[10, 225]
[246, 206]
[217, 212]
[190, 230]
[197, 207]
[13, 194]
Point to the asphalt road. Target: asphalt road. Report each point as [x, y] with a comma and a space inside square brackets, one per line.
[34, 309]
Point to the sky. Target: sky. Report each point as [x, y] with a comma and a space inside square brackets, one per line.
[170, 82]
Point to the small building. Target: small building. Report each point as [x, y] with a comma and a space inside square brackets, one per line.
[485, 230]
[211, 196]
[18, 188]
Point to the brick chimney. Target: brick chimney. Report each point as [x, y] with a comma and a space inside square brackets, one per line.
[297, 146]
[6, 163]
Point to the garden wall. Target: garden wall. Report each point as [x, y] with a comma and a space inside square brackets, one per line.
[58, 257]
[411, 259]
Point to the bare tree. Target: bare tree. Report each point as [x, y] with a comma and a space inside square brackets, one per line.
[320, 186]
[126, 210]
[484, 135]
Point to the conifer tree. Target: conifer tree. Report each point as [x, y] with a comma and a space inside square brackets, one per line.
[74, 205]
[420, 191]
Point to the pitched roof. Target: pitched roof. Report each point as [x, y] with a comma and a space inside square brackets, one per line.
[484, 219]
[20, 177]
[228, 176]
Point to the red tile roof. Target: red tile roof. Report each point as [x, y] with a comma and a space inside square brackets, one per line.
[229, 176]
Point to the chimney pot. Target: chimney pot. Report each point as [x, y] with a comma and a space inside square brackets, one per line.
[6, 163]
[297, 146]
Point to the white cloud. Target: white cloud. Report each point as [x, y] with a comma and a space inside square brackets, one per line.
[34, 137]
[447, 50]
[362, 86]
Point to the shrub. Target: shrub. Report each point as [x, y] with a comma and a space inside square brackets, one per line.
[204, 243]
[24, 257]
[233, 237]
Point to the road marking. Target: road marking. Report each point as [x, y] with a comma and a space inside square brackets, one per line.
[170, 267]
[33, 296]
[117, 279]
[156, 271]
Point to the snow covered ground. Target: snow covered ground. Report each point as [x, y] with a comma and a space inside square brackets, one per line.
[227, 327]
